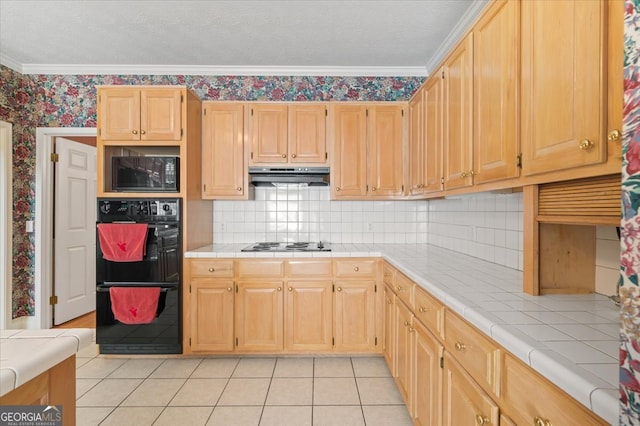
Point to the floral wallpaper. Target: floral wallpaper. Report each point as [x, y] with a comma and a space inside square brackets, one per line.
[630, 229]
[30, 101]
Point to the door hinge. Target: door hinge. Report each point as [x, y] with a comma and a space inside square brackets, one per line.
[189, 288]
[442, 180]
[326, 155]
[326, 112]
[443, 74]
[366, 112]
[236, 341]
[441, 362]
[100, 132]
[53, 300]
[375, 341]
[333, 341]
[204, 111]
[181, 98]
[519, 161]
[181, 132]
[402, 188]
[55, 157]
[236, 291]
[367, 188]
[205, 187]
[375, 288]
[402, 112]
[252, 112]
[333, 288]
[189, 341]
[252, 155]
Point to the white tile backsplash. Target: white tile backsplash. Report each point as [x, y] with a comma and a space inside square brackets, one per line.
[486, 225]
[607, 260]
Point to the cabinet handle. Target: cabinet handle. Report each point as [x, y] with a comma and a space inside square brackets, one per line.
[422, 309]
[135, 132]
[339, 289]
[229, 289]
[538, 421]
[614, 135]
[239, 189]
[290, 288]
[279, 288]
[142, 132]
[337, 188]
[481, 420]
[585, 144]
[284, 155]
[293, 156]
[460, 346]
[211, 269]
[356, 269]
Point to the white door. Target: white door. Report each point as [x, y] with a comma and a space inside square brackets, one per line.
[74, 230]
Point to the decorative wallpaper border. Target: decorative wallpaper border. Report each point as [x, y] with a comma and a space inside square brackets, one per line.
[630, 229]
[31, 101]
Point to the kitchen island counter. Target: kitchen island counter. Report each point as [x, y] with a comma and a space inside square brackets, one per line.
[572, 340]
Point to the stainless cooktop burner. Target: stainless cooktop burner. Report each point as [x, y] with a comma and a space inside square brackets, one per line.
[301, 246]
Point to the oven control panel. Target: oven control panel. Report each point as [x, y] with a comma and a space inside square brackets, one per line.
[138, 210]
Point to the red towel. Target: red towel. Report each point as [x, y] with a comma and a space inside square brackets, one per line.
[123, 242]
[134, 305]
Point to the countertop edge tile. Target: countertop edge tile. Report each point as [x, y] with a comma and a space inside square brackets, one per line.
[606, 402]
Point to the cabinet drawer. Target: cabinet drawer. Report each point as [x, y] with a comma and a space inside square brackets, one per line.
[356, 268]
[479, 355]
[260, 268]
[388, 274]
[429, 311]
[545, 401]
[308, 268]
[404, 288]
[211, 268]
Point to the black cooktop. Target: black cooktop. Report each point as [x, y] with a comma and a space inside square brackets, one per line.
[275, 246]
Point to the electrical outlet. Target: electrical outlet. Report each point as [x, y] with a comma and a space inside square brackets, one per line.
[29, 226]
[370, 227]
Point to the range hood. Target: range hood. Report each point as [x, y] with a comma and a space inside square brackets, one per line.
[312, 176]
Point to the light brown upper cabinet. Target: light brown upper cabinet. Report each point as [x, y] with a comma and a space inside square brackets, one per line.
[563, 84]
[416, 143]
[288, 134]
[224, 169]
[495, 96]
[134, 114]
[367, 151]
[433, 135]
[458, 116]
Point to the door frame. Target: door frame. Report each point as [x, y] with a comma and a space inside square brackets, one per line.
[6, 223]
[43, 275]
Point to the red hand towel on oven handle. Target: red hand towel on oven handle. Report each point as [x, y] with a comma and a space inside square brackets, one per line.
[134, 305]
[122, 242]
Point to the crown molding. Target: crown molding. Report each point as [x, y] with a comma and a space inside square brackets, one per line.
[9, 62]
[460, 29]
[61, 69]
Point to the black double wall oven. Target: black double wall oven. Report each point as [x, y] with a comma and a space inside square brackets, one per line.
[139, 276]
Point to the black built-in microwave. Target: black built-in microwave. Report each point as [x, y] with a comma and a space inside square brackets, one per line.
[145, 174]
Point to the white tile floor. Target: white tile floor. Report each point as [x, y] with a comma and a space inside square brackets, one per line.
[238, 391]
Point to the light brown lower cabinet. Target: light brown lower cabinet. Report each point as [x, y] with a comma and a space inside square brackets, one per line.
[404, 349]
[259, 316]
[426, 391]
[388, 336]
[308, 316]
[354, 326]
[212, 315]
[464, 402]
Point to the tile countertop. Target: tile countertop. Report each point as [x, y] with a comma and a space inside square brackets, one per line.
[572, 340]
[25, 354]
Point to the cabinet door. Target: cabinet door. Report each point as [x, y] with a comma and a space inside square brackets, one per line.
[307, 134]
[309, 316]
[427, 387]
[348, 151]
[404, 348]
[212, 315]
[416, 144]
[495, 83]
[119, 114]
[223, 165]
[433, 133]
[385, 150]
[268, 129]
[259, 316]
[464, 402]
[160, 114]
[354, 327]
[388, 342]
[563, 84]
[458, 110]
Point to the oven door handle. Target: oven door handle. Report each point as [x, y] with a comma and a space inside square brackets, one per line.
[104, 288]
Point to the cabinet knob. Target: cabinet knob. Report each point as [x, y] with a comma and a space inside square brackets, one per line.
[460, 346]
[411, 329]
[422, 309]
[373, 188]
[481, 420]
[229, 289]
[406, 323]
[279, 288]
[585, 144]
[211, 269]
[337, 188]
[293, 156]
[135, 132]
[399, 288]
[356, 269]
[389, 302]
[339, 289]
[473, 173]
[284, 155]
[239, 189]
[463, 174]
[538, 421]
[614, 135]
[142, 132]
[290, 288]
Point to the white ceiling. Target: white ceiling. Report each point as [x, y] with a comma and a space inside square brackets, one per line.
[260, 37]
